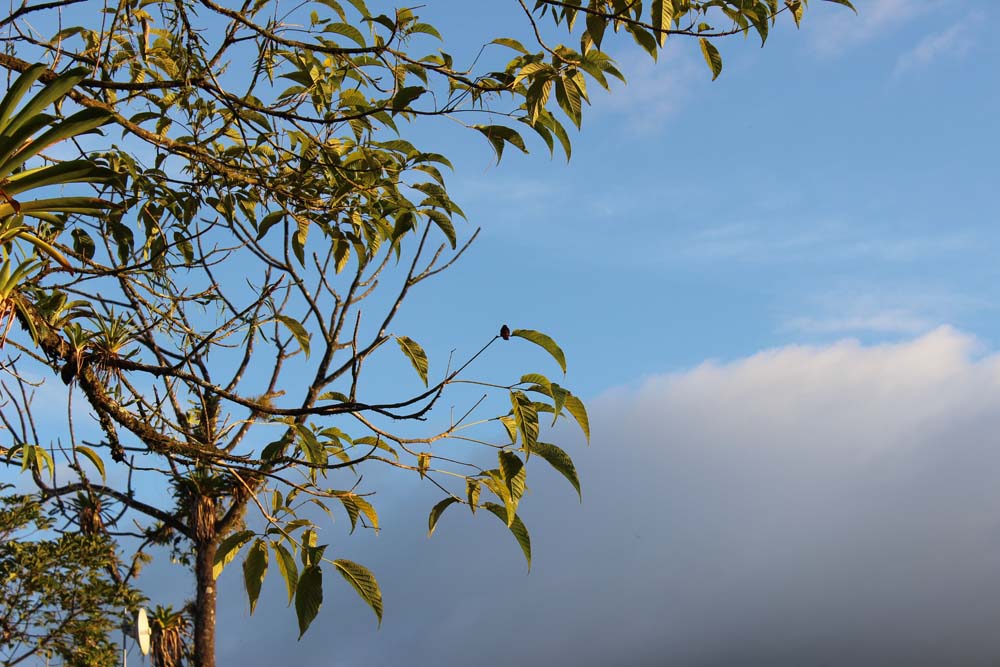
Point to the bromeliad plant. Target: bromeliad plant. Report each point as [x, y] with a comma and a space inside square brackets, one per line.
[27, 252]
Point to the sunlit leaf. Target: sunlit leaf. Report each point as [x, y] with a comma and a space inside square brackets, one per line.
[436, 512]
[363, 582]
[415, 354]
[298, 331]
[517, 528]
[228, 549]
[712, 57]
[559, 460]
[543, 341]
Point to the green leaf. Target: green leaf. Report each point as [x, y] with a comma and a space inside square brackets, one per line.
[712, 57]
[472, 490]
[363, 582]
[846, 3]
[289, 570]
[436, 512]
[796, 8]
[228, 549]
[576, 408]
[444, 224]
[511, 44]
[559, 396]
[415, 354]
[93, 458]
[254, 571]
[663, 16]
[355, 506]
[83, 244]
[423, 463]
[269, 221]
[512, 467]
[299, 331]
[595, 28]
[561, 461]
[526, 418]
[517, 527]
[405, 97]
[308, 597]
[498, 135]
[543, 341]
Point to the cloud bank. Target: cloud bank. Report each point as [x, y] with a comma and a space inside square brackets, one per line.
[833, 505]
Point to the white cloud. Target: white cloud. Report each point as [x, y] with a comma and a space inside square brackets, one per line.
[805, 505]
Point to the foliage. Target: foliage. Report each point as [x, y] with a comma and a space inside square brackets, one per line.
[59, 597]
[169, 636]
[273, 219]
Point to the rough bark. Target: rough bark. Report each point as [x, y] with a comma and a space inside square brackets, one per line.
[204, 607]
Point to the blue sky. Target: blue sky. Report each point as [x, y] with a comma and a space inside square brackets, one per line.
[776, 293]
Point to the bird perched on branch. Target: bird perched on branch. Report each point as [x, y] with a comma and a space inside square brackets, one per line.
[505, 332]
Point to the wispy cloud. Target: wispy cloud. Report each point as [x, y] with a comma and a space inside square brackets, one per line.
[655, 92]
[818, 240]
[843, 30]
[955, 41]
[880, 308]
[887, 322]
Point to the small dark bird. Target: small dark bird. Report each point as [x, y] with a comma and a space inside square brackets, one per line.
[505, 332]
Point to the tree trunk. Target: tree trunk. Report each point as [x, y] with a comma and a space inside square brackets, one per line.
[204, 607]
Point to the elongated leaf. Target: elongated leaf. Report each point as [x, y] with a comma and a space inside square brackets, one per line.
[228, 549]
[93, 458]
[299, 331]
[559, 396]
[543, 341]
[415, 354]
[516, 526]
[498, 135]
[436, 513]
[663, 15]
[472, 490]
[77, 124]
[289, 570]
[846, 3]
[356, 506]
[712, 57]
[405, 97]
[52, 91]
[561, 461]
[17, 90]
[269, 220]
[526, 418]
[308, 597]
[71, 171]
[511, 467]
[511, 44]
[576, 408]
[254, 571]
[363, 581]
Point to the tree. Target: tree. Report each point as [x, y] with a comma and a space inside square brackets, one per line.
[271, 219]
[60, 596]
